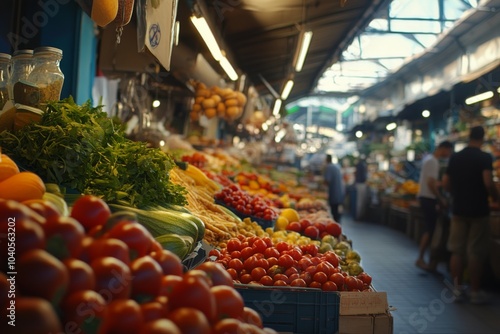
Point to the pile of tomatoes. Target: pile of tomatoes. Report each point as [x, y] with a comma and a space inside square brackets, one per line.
[255, 260]
[97, 272]
[196, 159]
[316, 230]
[246, 204]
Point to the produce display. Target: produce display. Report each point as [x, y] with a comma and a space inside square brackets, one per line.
[98, 272]
[219, 102]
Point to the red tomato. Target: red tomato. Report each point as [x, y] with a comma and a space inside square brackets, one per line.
[250, 316]
[295, 253]
[14, 211]
[320, 277]
[320, 226]
[245, 278]
[190, 321]
[312, 232]
[108, 247]
[315, 284]
[193, 292]
[307, 277]
[160, 326]
[113, 278]
[250, 263]
[280, 283]
[281, 277]
[29, 235]
[64, 237]
[147, 276]
[334, 229]
[285, 261]
[137, 238]
[257, 273]
[367, 279]
[43, 207]
[304, 263]
[90, 211]
[40, 274]
[81, 275]
[326, 267]
[235, 264]
[311, 269]
[338, 279]
[259, 246]
[282, 246]
[272, 261]
[217, 273]
[235, 254]
[263, 263]
[329, 286]
[351, 282]
[169, 262]
[199, 274]
[122, 316]
[246, 253]
[291, 271]
[268, 242]
[233, 273]
[228, 326]
[153, 310]
[298, 282]
[266, 280]
[311, 249]
[168, 283]
[271, 252]
[34, 315]
[294, 226]
[83, 306]
[332, 258]
[229, 303]
[233, 245]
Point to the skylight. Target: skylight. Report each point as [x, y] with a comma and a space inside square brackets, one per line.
[404, 29]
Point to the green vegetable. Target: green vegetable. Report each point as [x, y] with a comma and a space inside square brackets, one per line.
[81, 148]
[181, 246]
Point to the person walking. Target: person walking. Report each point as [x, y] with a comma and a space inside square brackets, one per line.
[430, 199]
[361, 189]
[336, 188]
[469, 179]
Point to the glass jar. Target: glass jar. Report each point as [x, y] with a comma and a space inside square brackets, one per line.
[47, 74]
[20, 69]
[4, 78]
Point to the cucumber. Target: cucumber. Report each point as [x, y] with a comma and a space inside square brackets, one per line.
[176, 244]
[161, 222]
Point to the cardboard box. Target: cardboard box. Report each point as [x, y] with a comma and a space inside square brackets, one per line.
[366, 324]
[360, 303]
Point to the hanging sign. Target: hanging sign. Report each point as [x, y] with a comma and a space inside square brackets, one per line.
[160, 29]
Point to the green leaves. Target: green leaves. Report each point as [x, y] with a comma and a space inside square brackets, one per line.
[81, 148]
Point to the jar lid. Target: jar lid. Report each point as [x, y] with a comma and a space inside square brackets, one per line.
[25, 52]
[47, 49]
[5, 56]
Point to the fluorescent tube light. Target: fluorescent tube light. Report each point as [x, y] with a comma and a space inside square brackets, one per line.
[277, 107]
[228, 68]
[287, 89]
[306, 41]
[391, 126]
[479, 97]
[208, 37]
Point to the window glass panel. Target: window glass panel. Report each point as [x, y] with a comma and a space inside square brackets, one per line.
[388, 45]
[415, 26]
[412, 9]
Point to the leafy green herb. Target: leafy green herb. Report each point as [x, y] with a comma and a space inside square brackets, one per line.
[81, 148]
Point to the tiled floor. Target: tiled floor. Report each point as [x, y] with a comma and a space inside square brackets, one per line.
[422, 301]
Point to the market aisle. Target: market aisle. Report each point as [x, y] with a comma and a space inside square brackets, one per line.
[422, 300]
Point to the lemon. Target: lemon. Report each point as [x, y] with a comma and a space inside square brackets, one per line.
[281, 223]
[291, 214]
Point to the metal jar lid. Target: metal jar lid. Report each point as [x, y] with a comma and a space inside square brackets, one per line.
[22, 53]
[5, 56]
[47, 49]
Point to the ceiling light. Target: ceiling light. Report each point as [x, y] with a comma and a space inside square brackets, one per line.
[362, 108]
[498, 90]
[426, 113]
[156, 103]
[208, 37]
[228, 68]
[306, 41]
[479, 97]
[391, 126]
[287, 89]
[277, 107]
[359, 134]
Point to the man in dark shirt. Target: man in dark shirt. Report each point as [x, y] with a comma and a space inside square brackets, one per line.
[469, 179]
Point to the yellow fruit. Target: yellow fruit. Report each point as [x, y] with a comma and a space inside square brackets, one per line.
[253, 185]
[291, 214]
[104, 12]
[281, 223]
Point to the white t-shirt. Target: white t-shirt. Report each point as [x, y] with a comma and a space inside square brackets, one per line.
[430, 169]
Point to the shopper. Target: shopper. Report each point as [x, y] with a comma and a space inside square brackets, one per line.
[430, 198]
[361, 189]
[469, 180]
[336, 187]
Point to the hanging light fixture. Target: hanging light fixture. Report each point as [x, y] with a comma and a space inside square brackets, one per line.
[304, 48]
[287, 89]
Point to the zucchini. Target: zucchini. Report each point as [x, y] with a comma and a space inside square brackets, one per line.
[172, 207]
[184, 213]
[161, 222]
[229, 212]
[180, 246]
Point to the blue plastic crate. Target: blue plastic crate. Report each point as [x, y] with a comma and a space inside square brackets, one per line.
[293, 310]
